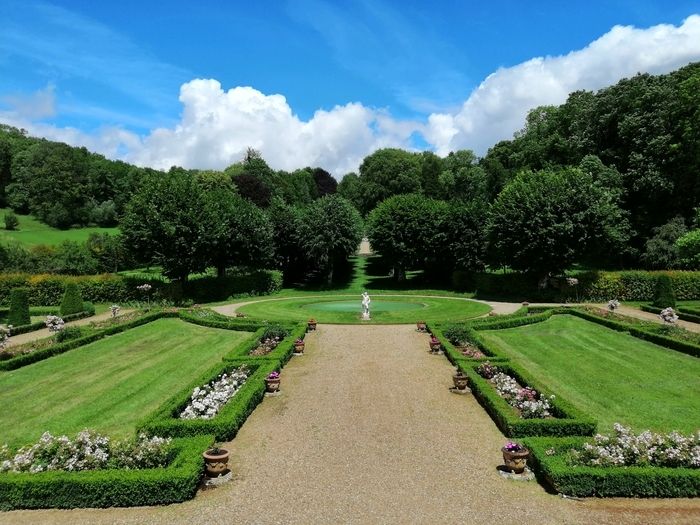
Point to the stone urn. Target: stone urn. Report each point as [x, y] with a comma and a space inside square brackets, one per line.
[435, 345]
[299, 346]
[515, 460]
[272, 383]
[421, 326]
[460, 380]
[216, 461]
[311, 324]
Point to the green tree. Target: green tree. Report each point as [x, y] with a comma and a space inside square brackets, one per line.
[688, 247]
[287, 225]
[661, 250]
[11, 221]
[350, 188]
[331, 232]
[388, 172]
[542, 222]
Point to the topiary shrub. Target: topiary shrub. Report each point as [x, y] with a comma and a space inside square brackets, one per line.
[663, 293]
[19, 307]
[72, 302]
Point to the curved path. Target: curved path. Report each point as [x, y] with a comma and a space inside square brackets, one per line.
[366, 431]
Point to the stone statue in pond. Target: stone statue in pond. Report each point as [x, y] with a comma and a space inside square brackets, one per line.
[365, 306]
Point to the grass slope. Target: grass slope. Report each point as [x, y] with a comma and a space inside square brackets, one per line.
[110, 384]
[32, 232]
[404, 309]
[612, 376]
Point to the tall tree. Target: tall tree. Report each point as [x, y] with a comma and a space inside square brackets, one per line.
[388, 172]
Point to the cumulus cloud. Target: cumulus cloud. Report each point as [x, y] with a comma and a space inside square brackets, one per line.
[498, 106]
[37, 105]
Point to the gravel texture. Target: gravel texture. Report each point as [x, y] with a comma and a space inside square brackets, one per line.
[366, 431]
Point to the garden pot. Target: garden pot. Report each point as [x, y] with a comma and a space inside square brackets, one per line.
[272, 385]
[299, 348]
[435, 347]
[422, 327]
[515, 461]
[216, 462]
[311, 325]
[460, 381]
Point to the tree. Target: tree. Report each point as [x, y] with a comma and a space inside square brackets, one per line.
[388, 172]
[405, 229]
[661, 250]
[325, 183]
[165, 222]
[688, 247]
[287, 224]
[350, 188]
[331, 232]
[542, 222]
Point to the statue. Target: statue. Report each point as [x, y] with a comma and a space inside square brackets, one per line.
[365, 306]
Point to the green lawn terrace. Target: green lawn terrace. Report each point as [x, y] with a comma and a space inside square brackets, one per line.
[32, 232]
[612, 376]
[110, 384]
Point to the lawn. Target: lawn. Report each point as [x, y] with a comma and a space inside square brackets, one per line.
[110, 384]
[32, 232]
[384, 309]
[612, 376]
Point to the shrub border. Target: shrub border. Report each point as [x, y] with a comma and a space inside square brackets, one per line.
[109, 488]
[657, 482]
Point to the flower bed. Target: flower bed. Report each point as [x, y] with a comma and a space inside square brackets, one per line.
[526, 400]
[206, 401]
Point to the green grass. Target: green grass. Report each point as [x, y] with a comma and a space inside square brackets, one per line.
[31, 232]
[108, 385]
[345, 309]
[612, 376]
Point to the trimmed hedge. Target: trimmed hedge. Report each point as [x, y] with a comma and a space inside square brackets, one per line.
[568, 420]
[18, 314]
[224, 426]
[645, 482]
[72, 301]
[221, 321]
[454, 355]
[682, 313]
[282, 353]
[39, 325]
[109, 488]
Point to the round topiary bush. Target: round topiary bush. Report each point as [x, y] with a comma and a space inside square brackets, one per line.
[19, 307]
[663, 293]
[72, 300]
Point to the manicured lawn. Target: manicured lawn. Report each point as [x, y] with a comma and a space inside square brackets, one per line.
[612, 376]
[110, 384]
[347, 309]
[32, 232]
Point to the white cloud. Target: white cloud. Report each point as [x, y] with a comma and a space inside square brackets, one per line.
[37, 105]
[498, 107]
[217, 126]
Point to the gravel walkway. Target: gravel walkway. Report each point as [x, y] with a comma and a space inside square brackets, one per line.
[366, 431]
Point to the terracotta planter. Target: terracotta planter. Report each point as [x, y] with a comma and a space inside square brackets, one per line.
[435, 346]
[311, 325]
[460, 381]
[272, 385]
[422, 327]
[515, 461]
[299, 348]
[216, 463]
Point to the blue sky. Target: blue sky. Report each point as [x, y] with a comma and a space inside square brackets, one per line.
[355, 75]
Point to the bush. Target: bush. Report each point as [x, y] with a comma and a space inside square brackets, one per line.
[11, 221]
[68, 333]
[72, 302]
[19, 308]
[663, 293]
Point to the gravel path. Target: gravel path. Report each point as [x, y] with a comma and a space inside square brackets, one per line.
[366, 431]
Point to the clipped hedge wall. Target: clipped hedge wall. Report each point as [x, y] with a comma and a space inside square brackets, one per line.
[18, 313]
[215, 320]
[224, 426]
[109, 488]
[645, 482]
[568, 420]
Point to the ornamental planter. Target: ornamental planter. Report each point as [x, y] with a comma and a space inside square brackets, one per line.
[435, 345]
[272, 385]
[460, 380]
[421, 325]
[515, 461]
[311, 325]
[299, 347]
[216, 461]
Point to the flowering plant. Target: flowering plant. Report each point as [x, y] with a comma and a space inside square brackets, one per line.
[206, 401]
[4, 336]
[511, 446]
[145, 288]
[114, 309]
[54, 323]
[668, 315]
[273, 375]
[299, 341]
[487, 370]
[626, 449]
[613, 305]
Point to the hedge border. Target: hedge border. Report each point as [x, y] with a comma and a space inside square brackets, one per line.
[109, 488]
[283, 352]
[224, 426]
[39, 325]
[682, 313]
[656, 482]
[568, 420]
[454, 355]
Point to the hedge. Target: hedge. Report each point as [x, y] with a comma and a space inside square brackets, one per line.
[109, 488]
[568, 420]
[224, 426]
[282, 353]
[454, 355]
[682, 313]
[592, 286]
[32, 327]
[216, 320]
[60, 348]
[18, 313]
[645, 482]
[72, 301]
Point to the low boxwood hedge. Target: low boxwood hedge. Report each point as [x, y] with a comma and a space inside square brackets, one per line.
[109, 488]
[568, 420]
[224, 426]
[39, 325]
[645, 482]
[454, 355]
[282, 353]
[212, 319]
[682, 313]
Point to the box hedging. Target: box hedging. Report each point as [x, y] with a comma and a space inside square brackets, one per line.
[282, 353]
[568, 420]
[451, 352]
[32, 327]
[224, 426]
[18, 313]
[109, 488]
[221, 321]
[682, 313]
[646, 482]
